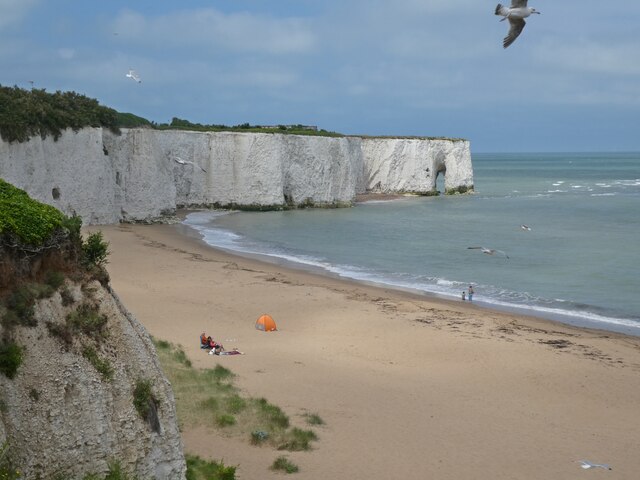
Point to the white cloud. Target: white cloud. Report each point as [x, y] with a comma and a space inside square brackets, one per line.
[12, 11]
[213, 30]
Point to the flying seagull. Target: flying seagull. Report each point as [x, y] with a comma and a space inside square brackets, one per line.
[134, 76]
[488, 251]
[516, 15]
[525, 227]
[184, 162]
[586, 464]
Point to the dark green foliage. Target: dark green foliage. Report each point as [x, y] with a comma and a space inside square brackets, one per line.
[313, 419]
[219, 373]
[31, 221]
[88, 320]
[225, 420]
[285, 465]
[26, 113]
[272, 413]
[100, 364]
[235, 404]
[73, 225]
[61, 331]
[54, 279]
[95, 250]
[115, 473]
[10, 358]
[199, 469]
[7, 470]
[129, 120]
[20, 304]
[143, 398]
[298, 440]
[181, 124]
[67, 297]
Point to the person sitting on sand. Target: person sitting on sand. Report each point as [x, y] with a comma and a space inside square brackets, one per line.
[215, 347]
[204, 340]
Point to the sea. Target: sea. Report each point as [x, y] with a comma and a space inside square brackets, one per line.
[578, 262]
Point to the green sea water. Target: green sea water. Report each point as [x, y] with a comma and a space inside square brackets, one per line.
[579, 262]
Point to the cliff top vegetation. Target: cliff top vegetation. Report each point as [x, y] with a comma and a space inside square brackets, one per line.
[25, 113]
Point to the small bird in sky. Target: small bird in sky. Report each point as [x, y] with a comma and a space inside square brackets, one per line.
[586, 464]
[516, 15]
[489, 251]
[134, 76]
[525, 227]
[185, 162]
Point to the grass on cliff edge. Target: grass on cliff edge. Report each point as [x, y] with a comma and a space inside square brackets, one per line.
[209, 398]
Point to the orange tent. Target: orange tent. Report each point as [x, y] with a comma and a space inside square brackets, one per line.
[266, 323]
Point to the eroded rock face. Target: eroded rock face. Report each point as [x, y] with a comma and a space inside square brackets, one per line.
[408, 165]
[63, 417]
[136, 176]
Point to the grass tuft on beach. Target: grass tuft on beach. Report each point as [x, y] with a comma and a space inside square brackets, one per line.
[209, 397]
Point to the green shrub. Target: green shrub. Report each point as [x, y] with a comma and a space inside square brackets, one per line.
[61, 331]
[95, 250]
[285, 465]
[67, 297]
[54, 279]
[162, 344]
[103, 366]
[26, 113]
[199, 469]
[31, 221]
[235, 404]
[73, 224]
[7, 470]
[298, 440]
[313, 419]
[10, 358]
[259, 436]
[272, 413]
[225, 420]
[143, 398]
[181, 357]
[115, 473]
[88, 320]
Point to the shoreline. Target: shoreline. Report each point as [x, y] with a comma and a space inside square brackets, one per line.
[565, 319]
[408, 386]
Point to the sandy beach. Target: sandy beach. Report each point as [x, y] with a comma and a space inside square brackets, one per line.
[410, 387]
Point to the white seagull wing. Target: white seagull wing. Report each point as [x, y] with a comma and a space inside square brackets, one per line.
[518, 3]
[517, 24]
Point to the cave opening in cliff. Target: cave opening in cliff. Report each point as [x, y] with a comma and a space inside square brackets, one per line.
[440, 173]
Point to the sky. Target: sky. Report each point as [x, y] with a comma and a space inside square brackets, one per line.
[570, 82]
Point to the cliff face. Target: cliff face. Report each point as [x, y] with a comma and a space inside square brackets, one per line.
[413, 165]
[64, 419]
[106, 178]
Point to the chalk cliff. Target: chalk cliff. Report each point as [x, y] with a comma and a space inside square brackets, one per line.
[63, 419]
[106, 178]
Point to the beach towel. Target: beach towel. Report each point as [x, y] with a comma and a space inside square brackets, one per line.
[235, 351]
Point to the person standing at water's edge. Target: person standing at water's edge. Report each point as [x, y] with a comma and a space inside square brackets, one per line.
[463, 296]
[470, 292]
